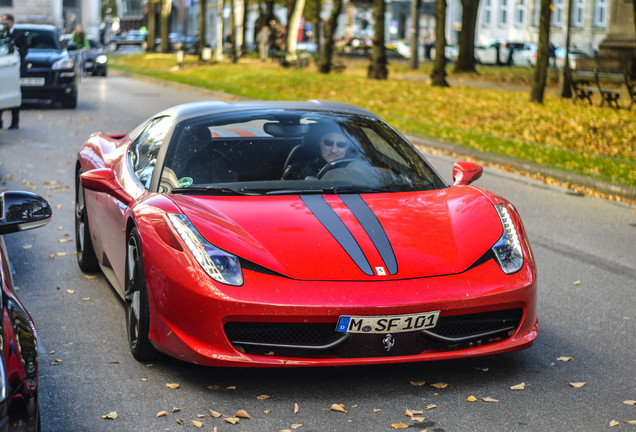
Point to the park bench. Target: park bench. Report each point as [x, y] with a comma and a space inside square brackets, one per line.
[611, 87]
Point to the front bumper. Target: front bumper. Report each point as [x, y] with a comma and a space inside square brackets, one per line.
[205, 323]
[58, 85]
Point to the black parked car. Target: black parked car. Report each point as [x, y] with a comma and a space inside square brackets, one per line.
[95, 59]
[18, 338]
[49, 73]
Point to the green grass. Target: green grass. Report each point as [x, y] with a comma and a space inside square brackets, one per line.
[561, 133]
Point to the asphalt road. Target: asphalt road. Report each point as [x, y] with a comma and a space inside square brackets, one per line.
[586, 254]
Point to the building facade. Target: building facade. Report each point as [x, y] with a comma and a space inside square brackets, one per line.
[64, 14]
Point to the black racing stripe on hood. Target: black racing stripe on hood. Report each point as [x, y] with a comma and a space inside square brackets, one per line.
[373, 228]
[336, 227]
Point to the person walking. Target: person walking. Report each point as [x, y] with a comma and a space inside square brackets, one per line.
[19, 43]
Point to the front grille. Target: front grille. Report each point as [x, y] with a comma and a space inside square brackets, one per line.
[320, 340]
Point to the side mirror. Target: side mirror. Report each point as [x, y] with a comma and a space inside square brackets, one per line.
[103, 180]
[21, 211]
[464, 173]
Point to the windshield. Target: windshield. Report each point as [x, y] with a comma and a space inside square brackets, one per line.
[292, 152]
[40, 39]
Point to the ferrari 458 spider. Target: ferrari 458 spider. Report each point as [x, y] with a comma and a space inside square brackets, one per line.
[298, 234]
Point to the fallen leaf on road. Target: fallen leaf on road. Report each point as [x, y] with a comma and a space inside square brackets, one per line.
[481, 369]
[263, 397]
[242, 414]
[230, 388]
[338, 407]
[196, 423]
[614, 423]
[418, 383]
[90, 277]
[86, 299]
[296, 408]
[633, 422]
[175, 409]
[439, 385]
[471, 398]
[399, 426]
[179, 422]
[296, 426]
[231, 420]
[630, 402]
[411, 413]
[213, 387]
[576, 283]
[110, 416]
[173, 385]
[489, 399]
[577, 384]
[418, 419]
[564, 359]
[162, 414]
[376, 410]
[215, 414]
[430, 406]
[521, 386]
[70, 291]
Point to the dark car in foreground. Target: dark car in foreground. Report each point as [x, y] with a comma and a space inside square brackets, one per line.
[49, 73]
[19, 360]
[298, 234]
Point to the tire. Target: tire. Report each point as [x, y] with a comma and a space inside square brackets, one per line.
[86, 258]
[136, 302]
[70, 102]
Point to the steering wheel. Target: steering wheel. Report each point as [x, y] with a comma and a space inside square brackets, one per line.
[334, 164]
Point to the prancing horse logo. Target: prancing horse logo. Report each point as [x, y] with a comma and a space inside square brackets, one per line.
[388, 342]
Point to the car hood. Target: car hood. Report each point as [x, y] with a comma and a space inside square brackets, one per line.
[44, 56]
[351, 237]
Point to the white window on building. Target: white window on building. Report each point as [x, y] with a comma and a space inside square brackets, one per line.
[486, 18]
[537, 12]
[503, 13]
[600, 13]
[577, 13]
[520, 13]
[557, 13]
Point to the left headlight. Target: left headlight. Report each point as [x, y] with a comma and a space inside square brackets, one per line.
[63, 63]
[101, 59]
[220, 265]
[508, 248]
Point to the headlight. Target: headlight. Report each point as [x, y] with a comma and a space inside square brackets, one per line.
[508, 249]
[221, 266]
[63, 63]
[101, 59]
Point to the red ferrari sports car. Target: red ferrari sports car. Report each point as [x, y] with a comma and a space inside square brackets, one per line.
[298, 234]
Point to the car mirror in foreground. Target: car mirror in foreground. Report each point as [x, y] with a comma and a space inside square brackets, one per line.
[103, 180]
[464, 173]
[22, 211]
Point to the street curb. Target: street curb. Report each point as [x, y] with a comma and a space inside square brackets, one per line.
[601, 186]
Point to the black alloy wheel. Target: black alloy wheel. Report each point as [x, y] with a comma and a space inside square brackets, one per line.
[136, 301]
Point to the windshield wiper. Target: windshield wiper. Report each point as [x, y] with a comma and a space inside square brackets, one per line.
[334, 190]
[212, 189]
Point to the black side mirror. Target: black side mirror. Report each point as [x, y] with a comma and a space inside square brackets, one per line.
[20, 211]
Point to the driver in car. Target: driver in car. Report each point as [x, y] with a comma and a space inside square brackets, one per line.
[333, 146]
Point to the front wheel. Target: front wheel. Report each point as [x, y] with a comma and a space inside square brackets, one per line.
[136, 300]
[86, 258]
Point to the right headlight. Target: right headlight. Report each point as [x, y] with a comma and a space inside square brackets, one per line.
[508, 248]
[219, 265]
[63, 63]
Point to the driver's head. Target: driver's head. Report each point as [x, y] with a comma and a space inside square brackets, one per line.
[333, 146]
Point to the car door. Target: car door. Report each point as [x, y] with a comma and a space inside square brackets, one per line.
[10, 95]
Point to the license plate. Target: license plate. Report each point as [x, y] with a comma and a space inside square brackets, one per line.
[387, 323]
[32, 82]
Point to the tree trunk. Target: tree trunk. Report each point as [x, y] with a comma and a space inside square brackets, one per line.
[218, 52]
[294, 24]
[438, 76]
[151, 24]
[233, 50]
[203, 29]
[378, 67]
[466, 57]
[543, 53]
[326, 58]
[415, 33]
[318, 28]
[246, 12]
[566, 89]
[166, 12]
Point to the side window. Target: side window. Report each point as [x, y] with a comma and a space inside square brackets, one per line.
[142, 153]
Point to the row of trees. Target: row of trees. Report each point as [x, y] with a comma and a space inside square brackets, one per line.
[378, 59]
